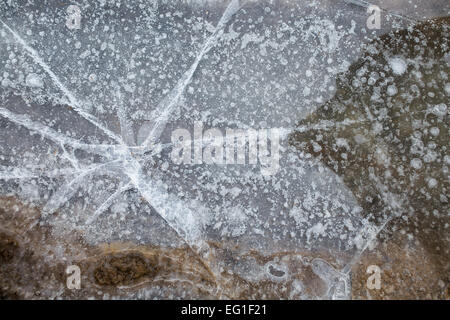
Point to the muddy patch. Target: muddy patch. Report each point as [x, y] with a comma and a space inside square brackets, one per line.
[37, 267]
[123, 269]
[407, 272]
[8, 248]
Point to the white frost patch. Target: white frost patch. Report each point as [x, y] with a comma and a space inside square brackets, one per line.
[316, 231]
[235, 222]
[297, 288]
[447, 88]
[392, 90]
[29, 191]
[434, 131]
[366, 237]
[250, 37]
[359, 139]
[34, 80]
[342, 143]
[316, 147]
[398, 65]
[432, 183]
[416, 163]
[440, 110]
[119, 207]
[306, 91]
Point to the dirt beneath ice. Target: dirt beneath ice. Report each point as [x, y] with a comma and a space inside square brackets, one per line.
[34, 261]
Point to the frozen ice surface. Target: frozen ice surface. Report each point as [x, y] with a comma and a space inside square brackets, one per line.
[87, 114]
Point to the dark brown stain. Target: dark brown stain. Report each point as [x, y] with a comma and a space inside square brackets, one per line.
[8, 248]
[123, 269]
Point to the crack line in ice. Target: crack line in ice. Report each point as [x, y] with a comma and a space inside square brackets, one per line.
[70, 157]
[171, 209]
[393, 202]
[12, 173]
[67, 191]
[177, 214]
[373, 235]
[61, 139]
[160, 115]
[75, 104]
[108, 202]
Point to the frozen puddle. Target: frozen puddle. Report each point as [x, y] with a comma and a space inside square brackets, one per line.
[116, 122]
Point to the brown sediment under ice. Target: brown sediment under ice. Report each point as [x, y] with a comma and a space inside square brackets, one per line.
[37, 259]
[40, 257]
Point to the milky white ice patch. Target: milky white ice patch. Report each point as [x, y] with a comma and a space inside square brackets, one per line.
[34, 80]
[392, 90]
[440, 110]
[398, 65]
[434, 131]
[432, 183]
[306, 91]
[447, 88]
[315, 231]
[416, 163]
